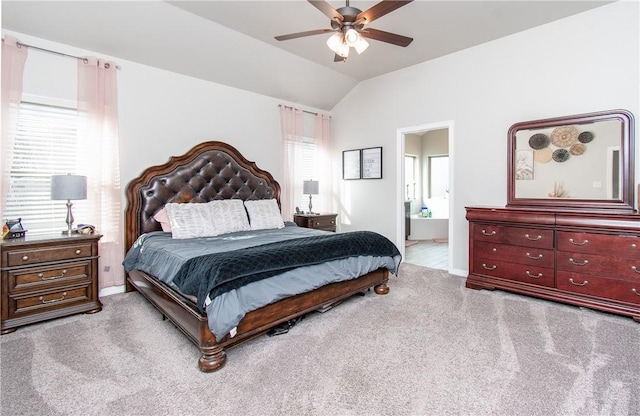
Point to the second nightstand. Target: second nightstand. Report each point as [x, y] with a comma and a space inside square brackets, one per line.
[326, 222]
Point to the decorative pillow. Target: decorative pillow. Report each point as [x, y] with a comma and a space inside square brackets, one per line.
[163, 218]
[264, 214]
[191, 220]
[229, 216]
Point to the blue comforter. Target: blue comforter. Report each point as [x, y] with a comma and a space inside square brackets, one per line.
[213, 274]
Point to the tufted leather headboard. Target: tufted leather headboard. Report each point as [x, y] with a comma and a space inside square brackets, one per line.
[210, 170]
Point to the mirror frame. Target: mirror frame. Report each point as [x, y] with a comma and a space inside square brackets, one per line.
[623, 205]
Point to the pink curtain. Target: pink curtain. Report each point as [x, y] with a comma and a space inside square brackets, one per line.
[292, 124]
[13, 60]
[322, 127]
[98, 133]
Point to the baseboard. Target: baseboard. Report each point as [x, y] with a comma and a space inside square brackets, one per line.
[111, 290]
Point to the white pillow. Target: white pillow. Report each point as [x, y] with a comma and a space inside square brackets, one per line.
[229, 216]
[207, 219]
[264, 214]
[190, 220]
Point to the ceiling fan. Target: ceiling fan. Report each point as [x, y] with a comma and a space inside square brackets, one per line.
[348, 26]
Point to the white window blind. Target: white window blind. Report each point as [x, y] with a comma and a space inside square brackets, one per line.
[45, 145]
[306, 167]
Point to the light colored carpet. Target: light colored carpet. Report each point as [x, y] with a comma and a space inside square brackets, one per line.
[409, 243]
[429, 347]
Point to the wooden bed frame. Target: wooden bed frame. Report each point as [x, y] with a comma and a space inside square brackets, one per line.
[216, 170]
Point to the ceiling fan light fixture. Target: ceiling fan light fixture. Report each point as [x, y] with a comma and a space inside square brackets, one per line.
[335, 41]
[343, 50]
[351, 37]
[361, 45]
[337, 44]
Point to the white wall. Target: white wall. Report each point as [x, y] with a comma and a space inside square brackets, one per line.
[588, 62]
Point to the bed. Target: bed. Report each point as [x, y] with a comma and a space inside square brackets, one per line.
[207, 174]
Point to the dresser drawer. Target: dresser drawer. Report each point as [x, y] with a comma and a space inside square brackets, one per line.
[527, 237]
[615, 245]
[602, 287]
[609, 266]
[520, 272]
[27, 304]
[515, 254]
[39, 278]
[50, 254]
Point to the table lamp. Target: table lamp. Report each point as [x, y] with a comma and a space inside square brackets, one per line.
[310, 187]
[68, 187]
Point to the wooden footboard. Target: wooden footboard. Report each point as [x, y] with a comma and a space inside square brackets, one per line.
[186, 317]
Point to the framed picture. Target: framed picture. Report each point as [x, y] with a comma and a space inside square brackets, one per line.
[372, 163]
[351, 167]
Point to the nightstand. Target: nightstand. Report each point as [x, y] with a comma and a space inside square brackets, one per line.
[46, 277]
[326, 222]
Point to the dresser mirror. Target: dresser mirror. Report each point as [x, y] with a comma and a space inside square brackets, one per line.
[583, 161]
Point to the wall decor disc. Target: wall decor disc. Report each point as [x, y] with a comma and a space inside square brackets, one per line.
[564, 136]
[538, 141]
[542, 155]
[560, 155]
[577, 149]
[585, 137]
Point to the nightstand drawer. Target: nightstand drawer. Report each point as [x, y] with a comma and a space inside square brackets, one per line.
[38, 303]
[322, 223]
[43, 255]
[37, 278]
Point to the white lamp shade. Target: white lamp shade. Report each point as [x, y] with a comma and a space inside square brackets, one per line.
[310, 187]
[335, 41]
[68, 187]
[351, 37]
[361, 45]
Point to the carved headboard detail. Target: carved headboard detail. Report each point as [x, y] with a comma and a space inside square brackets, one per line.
[209, 171]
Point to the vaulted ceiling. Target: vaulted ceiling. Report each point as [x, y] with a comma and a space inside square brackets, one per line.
[232, 42]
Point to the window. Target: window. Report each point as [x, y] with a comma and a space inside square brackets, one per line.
[45, 144]
[306, 167]
[410, 177]
[438, 176]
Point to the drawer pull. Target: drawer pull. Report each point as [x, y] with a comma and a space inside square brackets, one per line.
[489, 268]
[575, 243]
[25, 258]
[41, 275]
[538, 276]
[634, 245]
[484, 232]
[584, 263]
[635, 269]
[578, 284]
[78, 251]
[634, 290]
[536, 238]
[538, 257]
[64, 295]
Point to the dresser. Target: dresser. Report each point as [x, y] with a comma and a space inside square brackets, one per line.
[580, 258]
[46, 277]
[326, 222]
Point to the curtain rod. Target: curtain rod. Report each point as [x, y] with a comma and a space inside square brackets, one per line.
[85, 60]
[304, 111]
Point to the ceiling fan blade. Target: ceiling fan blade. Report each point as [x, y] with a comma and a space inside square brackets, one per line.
[382, 8]
[302, 34]
[338, 58]
[327, 9]
[383, 36]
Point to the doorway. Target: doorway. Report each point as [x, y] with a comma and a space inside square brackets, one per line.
[430, 238]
